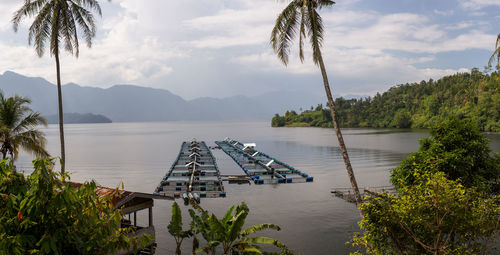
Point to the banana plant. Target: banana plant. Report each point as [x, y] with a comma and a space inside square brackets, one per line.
[175, 228]
[228, 232]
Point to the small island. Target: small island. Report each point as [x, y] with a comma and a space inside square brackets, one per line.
[79, 118]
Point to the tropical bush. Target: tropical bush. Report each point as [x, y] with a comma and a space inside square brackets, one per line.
[222, 235]
[457, 148]
[44, 213]
[433, 216]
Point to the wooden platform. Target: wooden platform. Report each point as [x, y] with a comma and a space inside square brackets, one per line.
[348, 194]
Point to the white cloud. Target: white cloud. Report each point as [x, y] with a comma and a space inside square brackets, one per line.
[478, 4]
[444, 13]
[7, 8]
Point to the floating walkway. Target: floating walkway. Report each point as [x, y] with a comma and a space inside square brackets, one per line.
[260, 167]
[193, 175]
[347, 194]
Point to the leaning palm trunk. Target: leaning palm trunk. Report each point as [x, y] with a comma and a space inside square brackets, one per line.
[340, 138]
[61, 120]
[301, 16]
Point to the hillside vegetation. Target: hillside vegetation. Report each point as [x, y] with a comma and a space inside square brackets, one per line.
[418, 105]
[74, 118]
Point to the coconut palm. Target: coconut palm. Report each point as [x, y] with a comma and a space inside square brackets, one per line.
[496, 54]
[18, 128]
[301, 16]
[58, 22]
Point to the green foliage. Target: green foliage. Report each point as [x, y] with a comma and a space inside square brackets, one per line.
[301, 16]
[434, 216]
[417, 105]
[175, 227]
[58, 21]
[18, 127]
[228, 232]
[457, 148]
[45, 214]
[278, 121]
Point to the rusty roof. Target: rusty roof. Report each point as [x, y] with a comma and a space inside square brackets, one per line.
[119, 196]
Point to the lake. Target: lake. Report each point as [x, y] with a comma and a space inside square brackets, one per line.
[312, 220]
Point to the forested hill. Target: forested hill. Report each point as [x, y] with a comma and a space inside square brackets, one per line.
[417, 105]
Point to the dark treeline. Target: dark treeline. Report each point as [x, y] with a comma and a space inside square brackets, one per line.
[418, 105]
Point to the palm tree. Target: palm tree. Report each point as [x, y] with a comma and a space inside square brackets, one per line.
[56, 21]
[18, 125]
[496, 53]
[302, 16]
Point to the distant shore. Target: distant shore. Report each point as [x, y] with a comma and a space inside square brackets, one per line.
[79, 118]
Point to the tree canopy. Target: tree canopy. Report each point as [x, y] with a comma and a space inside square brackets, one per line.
[457, 148]
[434, 216]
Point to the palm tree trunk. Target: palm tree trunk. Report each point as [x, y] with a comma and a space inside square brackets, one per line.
[343, 149]
[59, 101]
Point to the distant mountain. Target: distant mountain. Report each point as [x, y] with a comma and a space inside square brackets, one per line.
[129, 103]
[71, 118]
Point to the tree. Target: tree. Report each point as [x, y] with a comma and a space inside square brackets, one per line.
[228, 232]
[44, 213]
[496, 53]
[402, 119]
[457, 148]
[302, 16]
[278, 121]
[175, 228]
[56, 20]
[433, 216]
[18, 128]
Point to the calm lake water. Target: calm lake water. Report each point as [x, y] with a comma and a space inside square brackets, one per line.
[312, 220]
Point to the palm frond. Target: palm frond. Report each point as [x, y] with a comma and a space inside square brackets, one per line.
[284, 31]
[302, 31]
[31, 121]
[314, 24]
[39, 25]
[324, 3]
[29, 9]
[92, 4]
[32, 141]
[496, 53]
[86, 22]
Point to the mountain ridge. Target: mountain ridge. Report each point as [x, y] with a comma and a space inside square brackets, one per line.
[134, 103]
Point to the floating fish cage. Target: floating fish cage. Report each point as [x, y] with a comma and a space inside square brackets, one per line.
[262, 168]
[193, 175]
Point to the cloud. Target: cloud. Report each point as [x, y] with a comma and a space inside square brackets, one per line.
[478, 4]
[7, 8]
[444, 13]
[162, 43]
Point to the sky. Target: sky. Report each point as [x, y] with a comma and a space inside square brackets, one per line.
[220, 48]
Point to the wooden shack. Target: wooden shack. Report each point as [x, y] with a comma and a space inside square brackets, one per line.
[130, 203]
